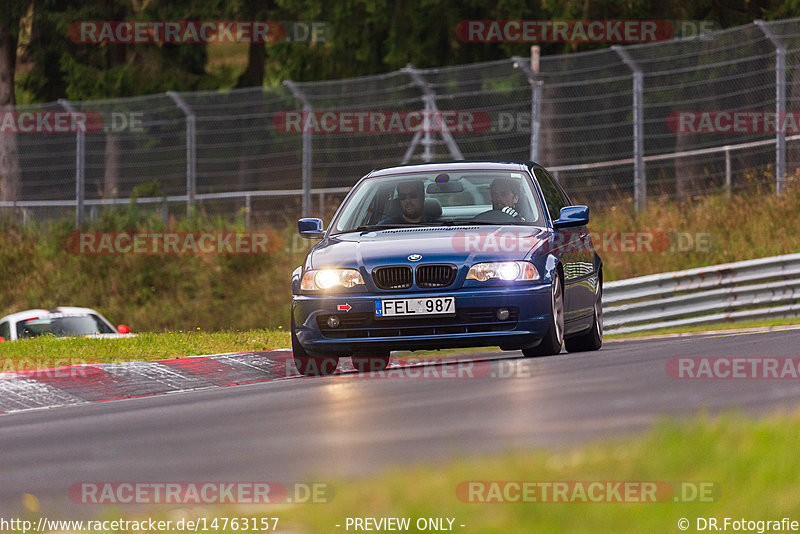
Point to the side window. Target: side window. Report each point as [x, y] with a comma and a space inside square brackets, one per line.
[553, 195]
[5, 330]
[102, 327]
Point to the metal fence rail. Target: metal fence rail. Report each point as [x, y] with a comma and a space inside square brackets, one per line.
[599, 119]
[754, 289]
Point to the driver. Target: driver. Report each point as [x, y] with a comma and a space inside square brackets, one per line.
[411, 196]
[505, 195]
[412, 201]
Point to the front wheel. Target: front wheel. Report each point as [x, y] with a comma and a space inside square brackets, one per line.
[554, 338]
[367, 361]
[311, 365]
[316, 365]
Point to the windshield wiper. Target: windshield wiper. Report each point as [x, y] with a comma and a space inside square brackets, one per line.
[470, 222]
[368, 227]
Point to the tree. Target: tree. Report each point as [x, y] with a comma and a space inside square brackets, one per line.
[260, 10]
[10, 17]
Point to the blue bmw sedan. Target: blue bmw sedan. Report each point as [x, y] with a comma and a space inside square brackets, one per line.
[442, 255]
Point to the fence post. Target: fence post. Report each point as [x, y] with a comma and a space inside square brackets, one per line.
[80, 166]
[429, 98]
[427, 141]
[247, 211]
[191, 150]
[639, 177]
[307, 162]
[728, 171]
[780, 105]
[532, 73]
[164, 211]
[536, 109]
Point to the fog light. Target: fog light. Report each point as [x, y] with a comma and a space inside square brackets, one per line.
[502, 314]
[333, 322]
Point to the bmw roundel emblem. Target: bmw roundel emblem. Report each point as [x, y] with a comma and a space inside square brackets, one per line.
[415, 257]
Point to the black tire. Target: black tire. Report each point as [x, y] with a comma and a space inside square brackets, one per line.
[592, 339]
[554, 338]
[311, 365]
[368, 361]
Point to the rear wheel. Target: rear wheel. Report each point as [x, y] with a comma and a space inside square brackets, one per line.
[367, 361]
[554, 338]
[311, 365]
[592, 339]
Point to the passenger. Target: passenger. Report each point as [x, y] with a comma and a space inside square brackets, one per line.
[505, 195]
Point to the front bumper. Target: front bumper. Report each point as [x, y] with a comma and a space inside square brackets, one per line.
[475, 324]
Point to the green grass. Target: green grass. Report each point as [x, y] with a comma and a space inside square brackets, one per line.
[746, 226]
[149, 292]
[46, 352]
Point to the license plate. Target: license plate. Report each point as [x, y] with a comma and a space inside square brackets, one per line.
[415, 307]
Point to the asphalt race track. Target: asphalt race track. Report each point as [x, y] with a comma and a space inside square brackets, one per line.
[349, 425]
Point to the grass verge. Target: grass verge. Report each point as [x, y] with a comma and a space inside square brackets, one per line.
[47, 352]
[707, 231]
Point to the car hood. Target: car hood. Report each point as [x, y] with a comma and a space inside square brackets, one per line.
[458, 245]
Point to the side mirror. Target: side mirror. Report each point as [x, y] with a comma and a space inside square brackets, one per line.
[122, 329]
[310, 228]
[572, 216]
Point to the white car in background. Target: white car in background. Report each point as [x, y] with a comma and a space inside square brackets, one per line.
[64, 321]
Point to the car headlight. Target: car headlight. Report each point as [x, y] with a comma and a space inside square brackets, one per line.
[330, 278]
[503, 270]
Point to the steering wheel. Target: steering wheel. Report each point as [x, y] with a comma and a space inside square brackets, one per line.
[494, 216]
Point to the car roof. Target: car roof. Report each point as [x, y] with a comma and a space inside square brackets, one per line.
[444, 166]
[38, 312]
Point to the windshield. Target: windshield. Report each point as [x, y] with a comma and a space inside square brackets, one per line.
[437, 199]
[64, 325]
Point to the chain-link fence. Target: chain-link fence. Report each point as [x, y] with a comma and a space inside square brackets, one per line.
[604, 121]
